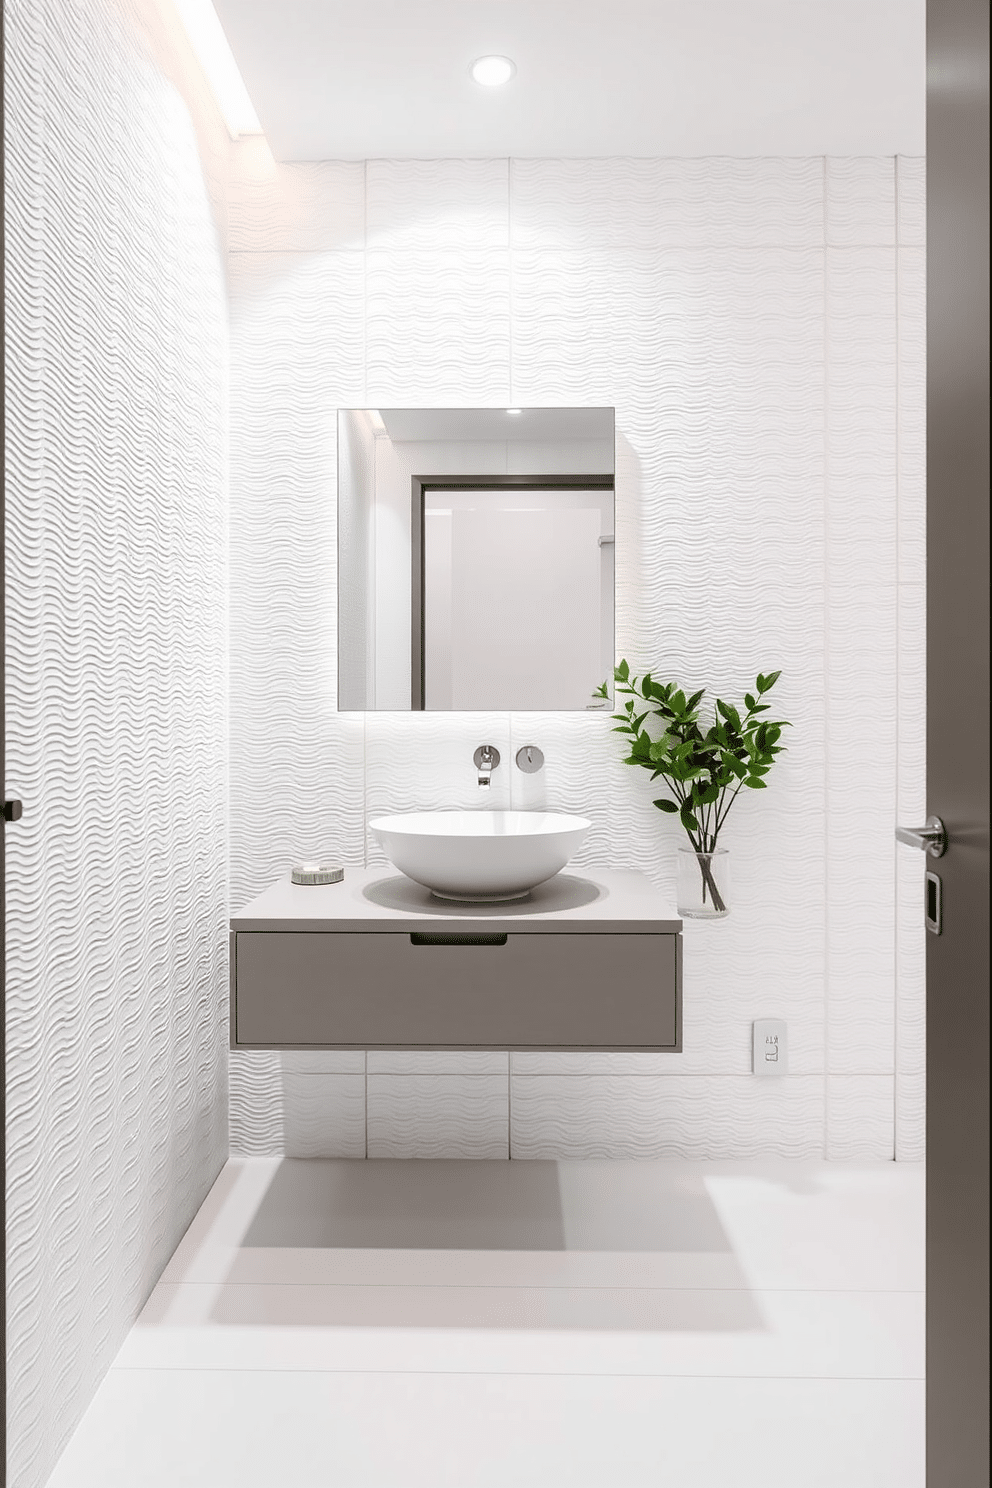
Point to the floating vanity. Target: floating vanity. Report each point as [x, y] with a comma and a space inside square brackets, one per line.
[376, 962]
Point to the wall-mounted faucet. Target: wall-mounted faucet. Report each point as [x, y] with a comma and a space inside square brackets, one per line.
[486, 759]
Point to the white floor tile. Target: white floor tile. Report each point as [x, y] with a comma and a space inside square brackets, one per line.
[192, 1429]
[825, 1225]
[532, 1330]
[674, 1325]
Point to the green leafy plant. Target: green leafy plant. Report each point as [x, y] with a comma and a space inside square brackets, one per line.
[705, 768]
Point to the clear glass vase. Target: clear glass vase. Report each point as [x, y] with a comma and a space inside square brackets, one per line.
[703, 889]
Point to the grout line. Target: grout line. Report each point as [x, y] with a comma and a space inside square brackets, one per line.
[549, 1286]
[899, 1379]
[509, 278]
[827, 594]
[900, 739]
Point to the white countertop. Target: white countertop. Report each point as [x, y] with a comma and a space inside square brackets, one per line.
[604, 902]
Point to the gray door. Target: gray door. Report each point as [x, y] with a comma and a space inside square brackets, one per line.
[957, 742]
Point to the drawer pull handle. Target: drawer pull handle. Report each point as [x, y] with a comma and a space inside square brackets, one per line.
[440, 938]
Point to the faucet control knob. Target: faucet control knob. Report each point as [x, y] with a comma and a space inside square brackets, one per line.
[530, 759]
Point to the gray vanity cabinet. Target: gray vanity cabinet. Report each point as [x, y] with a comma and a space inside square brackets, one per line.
[328, 968]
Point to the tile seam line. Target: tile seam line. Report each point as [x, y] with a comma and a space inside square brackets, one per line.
[897, 1379]
[500, 1286]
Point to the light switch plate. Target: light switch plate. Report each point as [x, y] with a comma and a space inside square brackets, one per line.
[770, 1047]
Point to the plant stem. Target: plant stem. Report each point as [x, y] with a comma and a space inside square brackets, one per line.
[705, 867]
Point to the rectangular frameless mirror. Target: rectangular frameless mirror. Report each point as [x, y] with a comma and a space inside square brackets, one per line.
[475, 558]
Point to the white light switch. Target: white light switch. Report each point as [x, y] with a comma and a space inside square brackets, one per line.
[770, 1047]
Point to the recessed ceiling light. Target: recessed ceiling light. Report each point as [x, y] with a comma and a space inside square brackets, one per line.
[491, 72]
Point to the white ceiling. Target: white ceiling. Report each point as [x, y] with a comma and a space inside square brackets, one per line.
[358, 79]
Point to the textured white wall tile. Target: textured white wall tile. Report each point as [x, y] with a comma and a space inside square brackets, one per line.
[293, 208]
[324, 1115]
[576, 777]
[755, 389]
[423, 762]
[322, 1061]
[862, 615]
[617, 1116]
[431, 204]
[297, 344]
[863, 525]
[862, 362]
[304, 1099]
[437, 328]
[438, 1062]
[256, 1102]
[911, 961]
[297, 765]
[116, 680]
[912, 700]
[860, 1117]
[911, 1117]
[438, 1116]
[626, 203]
[861, 200]
[861, 796]
[911, 199]
[911, 807]
[579, 1062]
[912, 427]
[694, 339]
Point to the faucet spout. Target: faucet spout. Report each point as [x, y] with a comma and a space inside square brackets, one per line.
[486, 759]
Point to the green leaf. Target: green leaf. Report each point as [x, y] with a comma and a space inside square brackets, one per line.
[755, 784]
[730, 713]
[688, 820]
[671, 807]
[695, 700]
[646, 685]
[621, 673]
[678, 703]
[764, 683]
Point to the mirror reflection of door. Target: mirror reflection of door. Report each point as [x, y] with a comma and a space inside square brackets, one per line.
[475, 567]
[518, 598]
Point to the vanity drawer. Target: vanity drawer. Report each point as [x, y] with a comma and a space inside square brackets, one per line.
[393, 990]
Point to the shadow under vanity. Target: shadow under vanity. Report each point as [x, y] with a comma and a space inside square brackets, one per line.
[376, 962]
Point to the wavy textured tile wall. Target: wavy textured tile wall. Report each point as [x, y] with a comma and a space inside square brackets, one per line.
[742, 317]
[116, 676]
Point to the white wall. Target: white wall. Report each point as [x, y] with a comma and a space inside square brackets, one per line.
[758, 325]
[117, 688]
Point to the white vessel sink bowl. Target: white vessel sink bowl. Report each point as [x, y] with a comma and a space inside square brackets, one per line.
[480, 856]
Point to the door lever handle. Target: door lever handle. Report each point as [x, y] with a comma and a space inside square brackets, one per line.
[931, 839]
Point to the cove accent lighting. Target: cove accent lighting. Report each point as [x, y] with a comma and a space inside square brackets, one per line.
[213, 52]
